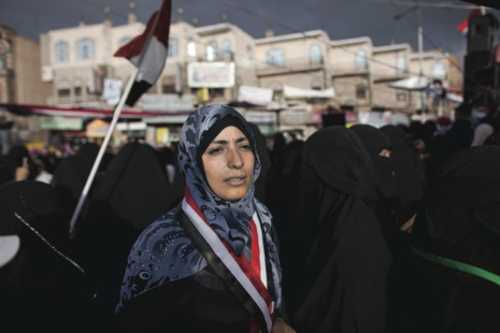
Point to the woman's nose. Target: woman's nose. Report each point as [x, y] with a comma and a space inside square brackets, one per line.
[234, 159]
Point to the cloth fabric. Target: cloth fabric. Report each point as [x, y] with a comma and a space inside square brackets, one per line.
[343, 284]
[132, 193]
[163, 254]
[481, 134]
[42, 285]
[410, 173]
[374, 140]
[460, 222]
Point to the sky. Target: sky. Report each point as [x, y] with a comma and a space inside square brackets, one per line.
[339, 18]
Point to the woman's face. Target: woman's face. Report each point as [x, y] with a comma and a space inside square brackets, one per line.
[229, 162]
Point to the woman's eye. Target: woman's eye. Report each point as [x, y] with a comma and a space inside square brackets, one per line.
[214, 151]
[246, 147]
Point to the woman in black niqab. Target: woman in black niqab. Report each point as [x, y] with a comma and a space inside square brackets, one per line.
[460, 222]
[346, 259]
[410, 173]
[379, 149]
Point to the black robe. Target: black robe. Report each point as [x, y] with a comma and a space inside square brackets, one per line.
[345, 260]
[460, 221]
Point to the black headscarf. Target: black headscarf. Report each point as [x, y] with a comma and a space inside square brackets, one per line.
[410, 175]
[458, 138]
[460, 222]
[343, 277]
[261, 187]
[16, 156]
[375, 141]
[41, 284]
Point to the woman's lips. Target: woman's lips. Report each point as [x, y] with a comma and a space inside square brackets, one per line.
[235, 181]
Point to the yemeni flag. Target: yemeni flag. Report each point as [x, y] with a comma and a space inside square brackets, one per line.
[463, 27]
[148, 52]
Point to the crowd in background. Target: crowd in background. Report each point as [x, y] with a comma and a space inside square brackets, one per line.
[366, 219]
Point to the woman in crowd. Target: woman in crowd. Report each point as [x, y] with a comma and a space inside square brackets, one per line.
[343, 286]
[410, 174]
[379, 149]
[212, 263]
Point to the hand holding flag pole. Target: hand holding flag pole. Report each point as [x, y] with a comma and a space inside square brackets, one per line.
[148, 52]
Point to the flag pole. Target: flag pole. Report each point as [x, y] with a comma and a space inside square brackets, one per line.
[116, 116]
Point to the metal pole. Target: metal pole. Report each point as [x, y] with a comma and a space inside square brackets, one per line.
[100, 155]
[420, 58]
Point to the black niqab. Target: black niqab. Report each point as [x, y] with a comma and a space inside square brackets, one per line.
[344, 273]
[410, 174]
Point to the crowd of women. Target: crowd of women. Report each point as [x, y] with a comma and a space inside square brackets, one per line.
[352, 230]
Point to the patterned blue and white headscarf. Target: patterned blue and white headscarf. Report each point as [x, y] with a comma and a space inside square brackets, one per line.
[163, 253]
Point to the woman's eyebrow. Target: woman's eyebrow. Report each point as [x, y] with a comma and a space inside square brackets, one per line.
[225, 142]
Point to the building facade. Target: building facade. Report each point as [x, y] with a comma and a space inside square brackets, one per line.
[351, 74]
[212, 62]
[390, 64]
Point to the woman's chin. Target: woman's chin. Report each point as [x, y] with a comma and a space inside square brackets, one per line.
[233, 193]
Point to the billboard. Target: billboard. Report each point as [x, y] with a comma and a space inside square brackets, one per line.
[211, 75]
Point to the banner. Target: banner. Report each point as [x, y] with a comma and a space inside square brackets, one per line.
[211, 75]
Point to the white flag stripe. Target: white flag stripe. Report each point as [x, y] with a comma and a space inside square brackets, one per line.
[223, 254]
[262, 256]
[153, 62]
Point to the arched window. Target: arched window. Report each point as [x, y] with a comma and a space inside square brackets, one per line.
[191, 48]
[439, 70]
[173, 46]
[211, 51]
[401, 63]
[315, 55]
[61, 52]
[85, 49]
[361, 60]
[275, 57]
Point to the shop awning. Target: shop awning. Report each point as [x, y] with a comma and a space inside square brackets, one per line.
[28, 110]
[414, 83]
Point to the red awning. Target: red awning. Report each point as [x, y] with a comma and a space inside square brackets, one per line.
[43, 110]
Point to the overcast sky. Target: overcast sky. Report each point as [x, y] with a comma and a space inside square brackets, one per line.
[340, 18]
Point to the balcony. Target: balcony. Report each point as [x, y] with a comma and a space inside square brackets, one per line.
[291, 66]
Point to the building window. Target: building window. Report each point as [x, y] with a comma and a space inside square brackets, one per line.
[124, 40]
[401, 96]
[361, 91]
[173, 46]
[191, 48]
[64, 92]
[315, 55]
[401, 63]
[211, 51]
[275, 57]
[85, 49]
[249, 52]
[78, 91]
[439, 70]
[361, 60]
[227, 49]
[61, 51]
